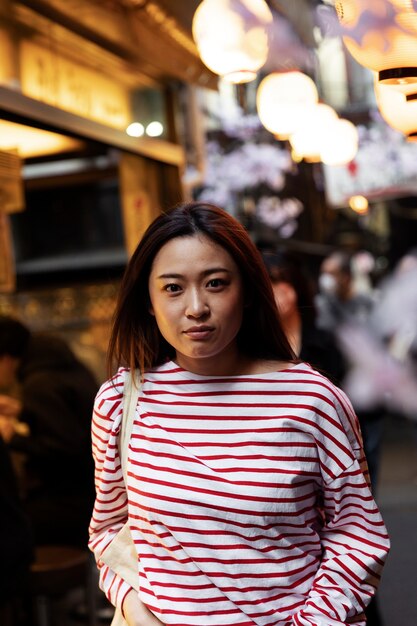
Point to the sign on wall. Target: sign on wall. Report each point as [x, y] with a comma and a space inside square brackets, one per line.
[48, 76]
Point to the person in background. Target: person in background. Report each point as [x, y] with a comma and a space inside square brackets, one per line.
[246, 499]
[339, 304]
[16, 545]
[48, 426]
[337, 301]
[295, 300]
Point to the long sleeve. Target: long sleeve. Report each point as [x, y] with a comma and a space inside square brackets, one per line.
[110, 509]
[354, 540]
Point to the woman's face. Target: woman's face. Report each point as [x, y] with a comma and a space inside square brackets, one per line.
[197, 299]
[285, 298]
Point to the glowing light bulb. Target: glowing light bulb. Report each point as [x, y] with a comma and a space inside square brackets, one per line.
[359, 204]
[154, 129]
[136, 129]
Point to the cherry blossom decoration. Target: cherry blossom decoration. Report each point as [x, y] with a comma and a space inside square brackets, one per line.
[245, 168]
[280, 213]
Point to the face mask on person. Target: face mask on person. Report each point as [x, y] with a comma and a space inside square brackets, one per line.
[327, 284]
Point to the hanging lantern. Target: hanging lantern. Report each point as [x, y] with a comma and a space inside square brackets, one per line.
[382, 36]
[340, 144]
[307, 140]
[232, 37]
[403, 4]
[281, 100]
[396, 110]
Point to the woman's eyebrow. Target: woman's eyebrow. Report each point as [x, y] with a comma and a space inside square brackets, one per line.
[207, 272]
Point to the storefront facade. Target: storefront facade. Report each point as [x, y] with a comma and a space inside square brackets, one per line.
[77, 191]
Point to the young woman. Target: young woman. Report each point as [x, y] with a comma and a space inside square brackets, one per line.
[245, 497]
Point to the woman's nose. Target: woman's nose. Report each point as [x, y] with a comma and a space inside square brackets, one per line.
[197, 305]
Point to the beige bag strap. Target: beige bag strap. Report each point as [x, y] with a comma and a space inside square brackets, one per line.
[131, 393]
[120, 555]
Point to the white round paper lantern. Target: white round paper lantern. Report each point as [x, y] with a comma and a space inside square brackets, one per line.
[232, 37]
[340, 145]
[307, 140]
[396, 110]
[281, 100]
[382, 36]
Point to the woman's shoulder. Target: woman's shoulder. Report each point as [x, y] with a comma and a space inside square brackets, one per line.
[315, 382]
[299, 370]
[316, 391]
[332, 402]
[112, 389]
[266, 366]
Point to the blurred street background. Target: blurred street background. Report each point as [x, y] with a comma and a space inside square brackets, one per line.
[397, 498]
[112, 111]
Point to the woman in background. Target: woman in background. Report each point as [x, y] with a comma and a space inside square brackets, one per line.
[295, 301]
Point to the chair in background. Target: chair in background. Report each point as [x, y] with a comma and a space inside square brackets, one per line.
[55, 572]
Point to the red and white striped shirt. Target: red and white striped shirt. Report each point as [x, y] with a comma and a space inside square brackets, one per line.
[246, 499]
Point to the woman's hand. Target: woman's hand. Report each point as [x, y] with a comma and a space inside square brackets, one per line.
[137, 613]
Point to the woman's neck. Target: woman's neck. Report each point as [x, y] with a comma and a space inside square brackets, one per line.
[228, 365]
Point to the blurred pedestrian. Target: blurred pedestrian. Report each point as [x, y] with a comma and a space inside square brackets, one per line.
[49, 426]
[294, 296]
[338, 304]
[245, 496]
[337, 301]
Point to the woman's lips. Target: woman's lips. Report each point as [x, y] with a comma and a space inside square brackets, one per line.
[199, 332]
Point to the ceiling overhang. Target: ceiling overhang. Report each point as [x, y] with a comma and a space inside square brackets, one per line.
[149, 40]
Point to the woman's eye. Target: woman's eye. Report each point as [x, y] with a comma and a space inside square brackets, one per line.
[172, 288]
[216, 282]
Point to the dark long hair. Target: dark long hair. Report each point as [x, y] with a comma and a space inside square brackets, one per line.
[136, 340]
